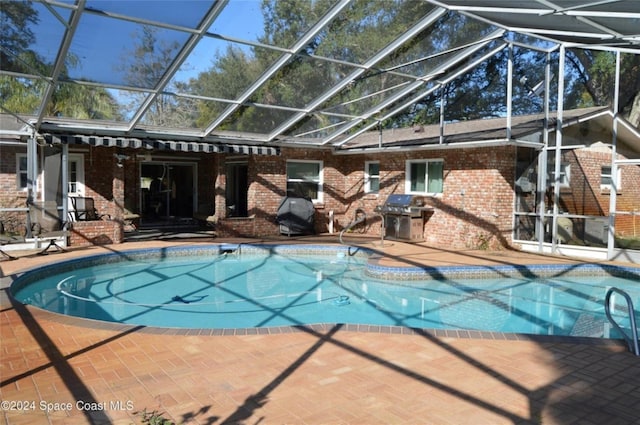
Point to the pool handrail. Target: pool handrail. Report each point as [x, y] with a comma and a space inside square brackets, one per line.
[632, 341]
[356, 220]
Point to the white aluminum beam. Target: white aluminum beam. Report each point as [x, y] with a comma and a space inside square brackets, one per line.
[439, 70]
[280, 63]
[406, 36]
[414, 99]
[60, 60]
[178, 60]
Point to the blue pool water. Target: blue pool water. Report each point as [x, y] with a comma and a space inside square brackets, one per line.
[227, 290]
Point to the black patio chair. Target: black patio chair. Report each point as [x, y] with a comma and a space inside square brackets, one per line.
[46, 225]
[84, 209]
[7, 239]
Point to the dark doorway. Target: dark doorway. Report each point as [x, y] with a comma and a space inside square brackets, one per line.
[237, 187]
[167, 191]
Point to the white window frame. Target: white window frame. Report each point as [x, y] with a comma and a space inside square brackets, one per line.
[320, 179]
[78, 159]
[20, 172]
[368, 177]
[609, 186]
[407, 181]
[79, 181]
[565, 174]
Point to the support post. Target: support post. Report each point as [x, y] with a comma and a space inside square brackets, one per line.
[558, 150]
[611, 240]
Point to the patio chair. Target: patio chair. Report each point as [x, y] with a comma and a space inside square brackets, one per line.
[6, 239]
[205, 215]
[84, 209]
[46, 225]
[130, 220]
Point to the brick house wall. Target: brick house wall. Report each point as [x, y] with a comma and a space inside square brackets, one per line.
[10, 195]
[628, 200]
[99, 168]
[475, 209]
[99, 178]
[99, 232]
[105, 182]
[585, 196]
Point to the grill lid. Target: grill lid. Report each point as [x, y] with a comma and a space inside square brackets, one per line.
[403, 204]
[403, 200]
[399, 200]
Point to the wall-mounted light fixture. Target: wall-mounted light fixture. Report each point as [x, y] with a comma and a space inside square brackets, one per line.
[120, 157]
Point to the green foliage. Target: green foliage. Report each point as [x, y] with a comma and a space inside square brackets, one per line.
[359, 33]
[24, 95]
[483, 241]
[154, 418]
[628, 242]
[17, 18]
[593, 78]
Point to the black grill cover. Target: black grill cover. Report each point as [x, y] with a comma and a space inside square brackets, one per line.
[295, 216]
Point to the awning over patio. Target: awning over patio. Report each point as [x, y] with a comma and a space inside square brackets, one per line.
[166, 145]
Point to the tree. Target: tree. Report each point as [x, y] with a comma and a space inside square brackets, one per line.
[596, 76]
[231, 73]
[362, 30]
[24, 95]
[17, 18]
[144, 66]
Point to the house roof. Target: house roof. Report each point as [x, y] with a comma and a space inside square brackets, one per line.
[492, 129]
[525, 130]
[99, 43]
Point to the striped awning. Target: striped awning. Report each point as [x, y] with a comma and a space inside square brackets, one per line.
[161, 145]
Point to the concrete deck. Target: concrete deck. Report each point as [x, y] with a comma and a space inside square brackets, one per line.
[90, 373]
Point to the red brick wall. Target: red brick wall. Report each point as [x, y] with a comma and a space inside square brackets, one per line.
[99, 232]
[586, 197]
[10, 196]
[628, 200]
[99, 168]
[474, 211]
[480, 217]
[476, 207]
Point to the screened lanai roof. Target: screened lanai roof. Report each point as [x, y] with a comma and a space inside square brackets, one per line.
[268, 73]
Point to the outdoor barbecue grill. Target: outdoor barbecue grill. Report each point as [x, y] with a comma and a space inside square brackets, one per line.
[403, 217]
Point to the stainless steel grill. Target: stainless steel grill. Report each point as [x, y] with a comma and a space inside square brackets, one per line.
[403, 217]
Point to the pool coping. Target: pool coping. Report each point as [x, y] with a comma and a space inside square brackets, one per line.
[317, 329]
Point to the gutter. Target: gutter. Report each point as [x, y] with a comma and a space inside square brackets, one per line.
[444, 146]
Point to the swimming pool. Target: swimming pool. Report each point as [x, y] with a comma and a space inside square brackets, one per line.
[248, 286]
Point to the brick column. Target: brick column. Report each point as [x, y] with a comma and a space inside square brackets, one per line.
[220, 186]
[118, 198]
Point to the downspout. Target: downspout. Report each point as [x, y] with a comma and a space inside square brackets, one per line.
[509, 90]
[32, 176]
[64, 163]
[442, 102]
